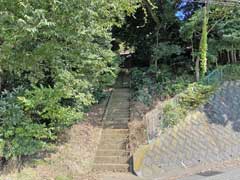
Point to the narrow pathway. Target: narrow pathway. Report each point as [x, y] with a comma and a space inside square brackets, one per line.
[113, 154]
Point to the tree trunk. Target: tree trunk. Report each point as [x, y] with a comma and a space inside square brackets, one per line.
[228, 57]
[149, 5]
[197, 69]
[235, 56]
[1, 81]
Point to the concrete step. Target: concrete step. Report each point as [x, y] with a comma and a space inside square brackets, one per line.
[115, 137]
[112, 146]
[120, 99]
[117, 100]
[111, 167]
[120, 108]
[113, 141]
[119, 113]
[120, 96]
[116, 126]
[112, 153]
[115, 109]
[115, 131]
[115, 104]
[120, 105]
[122, 117]
[122, 90]
[111, 159]
[116, 121]
[121, 93]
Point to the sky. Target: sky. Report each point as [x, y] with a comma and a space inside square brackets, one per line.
[181, 14]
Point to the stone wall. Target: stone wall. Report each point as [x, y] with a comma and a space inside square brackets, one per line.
[207, 137]
[152, 121]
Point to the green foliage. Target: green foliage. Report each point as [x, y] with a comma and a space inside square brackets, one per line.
[170, 83]
[165, 50]
[143, 86]
[60, 52]
[139, 31]
[223, 73]
[191, 26]
[176, 109]
[173, 114]
[231, 72]
[146, 85]
[19, 133]
[220, 34]
[195, 95]
[46, 106]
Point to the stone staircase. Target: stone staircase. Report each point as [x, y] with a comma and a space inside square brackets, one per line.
[113, 154]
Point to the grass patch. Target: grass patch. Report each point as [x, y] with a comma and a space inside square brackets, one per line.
[63, 178]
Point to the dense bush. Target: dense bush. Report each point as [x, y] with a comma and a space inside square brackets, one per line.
[176, 109]
[147, 83]
[19, 133]
[45, 106]
[60, 53]
[143, 86]
[231, 72]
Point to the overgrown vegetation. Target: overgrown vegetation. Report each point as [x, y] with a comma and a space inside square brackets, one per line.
[166, 85]
[173, 59]
[196, 95]
[176, 109]
[56, 60]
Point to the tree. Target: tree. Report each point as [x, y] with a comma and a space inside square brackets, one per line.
[153, 23]
[205, 32]
[59, 52]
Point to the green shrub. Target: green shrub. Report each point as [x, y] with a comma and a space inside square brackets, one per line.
[19, 133]
[143, 95]
[232, 72]
[30, 119]
[172, 115]
[149, 83]
[45, 105]
[171, 87]
[176, 110]
[195, 95]
[143, 86]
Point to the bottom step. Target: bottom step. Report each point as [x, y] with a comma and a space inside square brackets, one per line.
[111, 167]
[111, 159]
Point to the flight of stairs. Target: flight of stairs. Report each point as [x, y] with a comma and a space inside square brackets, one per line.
[113, 154]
